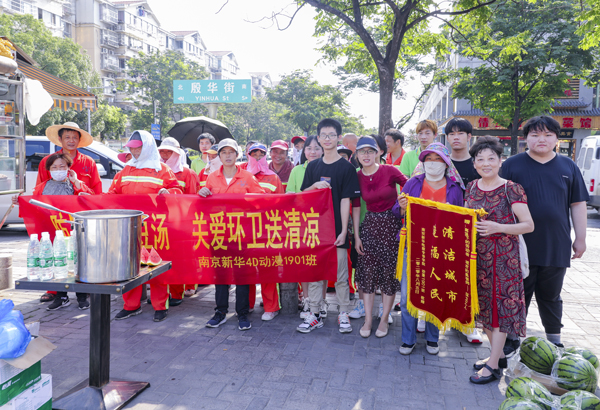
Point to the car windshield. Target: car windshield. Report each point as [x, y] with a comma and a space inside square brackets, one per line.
[105, 151]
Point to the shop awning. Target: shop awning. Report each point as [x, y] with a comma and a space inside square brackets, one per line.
[66, 96]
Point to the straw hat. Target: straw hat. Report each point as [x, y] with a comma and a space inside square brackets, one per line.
[52, 134]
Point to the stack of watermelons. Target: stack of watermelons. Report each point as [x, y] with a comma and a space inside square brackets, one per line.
[525, 393]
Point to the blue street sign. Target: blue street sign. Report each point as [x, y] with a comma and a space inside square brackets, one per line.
[155, 131]
[212, 91]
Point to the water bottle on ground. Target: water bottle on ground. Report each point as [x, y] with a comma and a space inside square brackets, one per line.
[33, 258]
[60, 256]
[72, 252]
[46, 257]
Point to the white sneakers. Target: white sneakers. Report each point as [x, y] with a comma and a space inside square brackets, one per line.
[421, 326]
[390, 319]
[474, 337]
[269, 315]
[358, 311]
[305, 308]
[344, 323]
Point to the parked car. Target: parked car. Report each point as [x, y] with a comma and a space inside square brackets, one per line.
[589, 164]
[36, 148]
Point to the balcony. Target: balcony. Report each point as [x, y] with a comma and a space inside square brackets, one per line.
[108, 14]
[110, 63]
[67, 9]
[109, 39]
[19, 6]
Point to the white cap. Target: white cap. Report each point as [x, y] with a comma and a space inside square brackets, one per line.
[34, 236]
[171, 144]
[45, 235]
[61, 233]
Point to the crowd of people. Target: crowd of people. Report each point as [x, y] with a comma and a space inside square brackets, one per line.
[536, 194]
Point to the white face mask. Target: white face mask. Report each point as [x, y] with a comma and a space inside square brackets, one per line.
[434, 171]
[59, 175]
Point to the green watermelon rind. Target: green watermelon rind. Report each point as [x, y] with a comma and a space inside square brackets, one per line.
[574, 372]
[527, 388]
[534, 354]
[580, 399]
[515, 403]
[587, 354]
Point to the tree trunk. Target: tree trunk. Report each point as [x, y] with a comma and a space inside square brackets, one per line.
[514, 132]
[386, 93]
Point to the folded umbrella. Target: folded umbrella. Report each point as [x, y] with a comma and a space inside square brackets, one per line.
[186, 131]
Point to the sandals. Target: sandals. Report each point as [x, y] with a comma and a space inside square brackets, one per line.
[47, 297]
[380, 334]
[364, 333]
[478, 379]
[502, 363]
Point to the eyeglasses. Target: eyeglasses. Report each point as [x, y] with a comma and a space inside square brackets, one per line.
[367, 152]
[328, 136]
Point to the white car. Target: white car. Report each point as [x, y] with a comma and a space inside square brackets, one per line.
[36, 148]
[589, 164]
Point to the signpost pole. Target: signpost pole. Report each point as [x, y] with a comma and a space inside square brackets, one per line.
[212, 110]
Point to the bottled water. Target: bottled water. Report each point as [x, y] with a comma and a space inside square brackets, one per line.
[33, 258]
[46, 257]
[72, 252]
[60, 256]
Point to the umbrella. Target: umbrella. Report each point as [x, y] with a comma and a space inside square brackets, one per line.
[186, 131]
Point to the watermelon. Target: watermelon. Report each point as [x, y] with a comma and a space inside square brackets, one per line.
[588, 355]
[153, 259]
[144, 256]
[525, 387]
[538, 354]
[516, 403]
[580, 400]
[574, 372]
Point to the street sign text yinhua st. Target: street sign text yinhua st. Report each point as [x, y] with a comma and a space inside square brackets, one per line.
[212, 91]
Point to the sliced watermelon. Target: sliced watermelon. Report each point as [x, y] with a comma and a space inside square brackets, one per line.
[145, 255]
[154, 258]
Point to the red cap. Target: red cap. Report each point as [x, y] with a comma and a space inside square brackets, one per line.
[298, 137]
[281, 144]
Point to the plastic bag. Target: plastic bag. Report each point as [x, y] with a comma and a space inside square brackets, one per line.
[575, 372]
[527, 388]
[14, 336]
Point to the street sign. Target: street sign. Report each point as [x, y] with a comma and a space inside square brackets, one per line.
[155, 131]
[212, 91]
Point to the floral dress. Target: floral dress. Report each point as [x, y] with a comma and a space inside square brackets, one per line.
[499, 277]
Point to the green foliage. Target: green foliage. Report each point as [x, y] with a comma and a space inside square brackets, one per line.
[151, 85]
[307, 102]
[115, 121]
[530, 49]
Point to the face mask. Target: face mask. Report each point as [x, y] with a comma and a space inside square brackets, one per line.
[434, 171]
[59, 175]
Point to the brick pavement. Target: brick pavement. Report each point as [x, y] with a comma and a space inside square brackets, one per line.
[272, 366]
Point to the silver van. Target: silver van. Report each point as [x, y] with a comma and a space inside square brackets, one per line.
[588, 162]
[36, 148]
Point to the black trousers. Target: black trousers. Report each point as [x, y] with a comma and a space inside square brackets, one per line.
[546, 283]
[242, 298]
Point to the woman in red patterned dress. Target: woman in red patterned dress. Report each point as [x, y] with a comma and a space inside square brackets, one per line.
[499, 276]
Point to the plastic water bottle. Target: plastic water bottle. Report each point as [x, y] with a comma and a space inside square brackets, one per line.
[72, 252]
[60, 256]
[33, 258]
[46, 257]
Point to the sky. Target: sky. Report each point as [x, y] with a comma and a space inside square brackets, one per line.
[262, 47]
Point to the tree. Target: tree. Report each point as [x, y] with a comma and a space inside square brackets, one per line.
[307, 102]
[151, 86]
[529, 50]
[379, 40]
[260, 120]
[115, 121]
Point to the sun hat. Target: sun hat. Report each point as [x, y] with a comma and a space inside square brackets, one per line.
[255, 147]
[170, 144]
[227, 142]
[212, 150]
[135, 141]
[123, 156]
[52, 134]
[345, 150]
[444, 153]
[367, 142]
[281, 144]
[297, 138]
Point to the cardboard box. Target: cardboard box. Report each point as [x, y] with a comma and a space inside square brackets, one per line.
[21, 373]
[38, 396]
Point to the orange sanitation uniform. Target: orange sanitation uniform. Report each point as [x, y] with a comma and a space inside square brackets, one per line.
[131, 181]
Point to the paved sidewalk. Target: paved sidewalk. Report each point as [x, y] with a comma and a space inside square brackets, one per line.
[272, 366]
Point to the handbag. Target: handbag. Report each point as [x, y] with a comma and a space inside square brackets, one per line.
[523, 256]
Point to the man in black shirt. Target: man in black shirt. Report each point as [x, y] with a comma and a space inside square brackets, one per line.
[554, 188]
[458, 131]
[334, 173]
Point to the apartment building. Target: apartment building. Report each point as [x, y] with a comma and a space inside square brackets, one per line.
[260, 82]
[577, 110]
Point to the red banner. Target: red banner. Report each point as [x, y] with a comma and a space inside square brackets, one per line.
[442, 282]
[223, 239]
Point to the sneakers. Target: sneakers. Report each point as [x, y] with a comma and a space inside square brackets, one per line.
[390, 319]
[358, 311]
[58, 303]
[310, 323]
[217, 320]
[433, 348]
[83, 304]
[124, 314]
[510, 347]
[344, 323]
[244, 323]
[175, 302]
[323, 309]
[421, 326]
[269, 315]
[160, 315]
[407, 349]
[474, 337]
[305, 308]
[397, 307]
